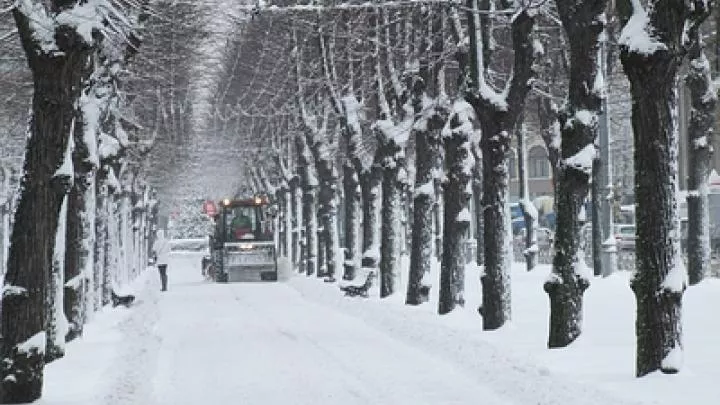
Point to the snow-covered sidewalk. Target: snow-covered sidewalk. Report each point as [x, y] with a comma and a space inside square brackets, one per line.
[301, 342]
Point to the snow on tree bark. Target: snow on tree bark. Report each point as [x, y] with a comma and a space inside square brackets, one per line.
[57, 324]
[392, 165]
[498, 114]
[432, 114]
[703, 98]
[459, 163]
[318, 140]
[297, 221]
[353, 214]
[583, 22]
[391, 143]
[370, 183]
[392, 130]
[653, 44]
[427, 153]
[101, 234]
[308, 185]
[58, 56]
[478, 216]
[79, 254]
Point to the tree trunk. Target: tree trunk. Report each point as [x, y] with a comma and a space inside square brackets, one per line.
[308, 185]
[579, 125]
[497, 235]
[390, 229]
[425, 236]
[101, 234]
[498, 114]
[370, 183]
[458, 165]
[58, 79]
[353, 213]
[596, 216]
[478, 215]
[660, 279]
[57, 323]
[427, 153]
[327, 197]
[110, 245]
[281, 231]
[658, 295]
[81, 232]
[438, 210]
[296, 209]
[392, 163]
[700, 134]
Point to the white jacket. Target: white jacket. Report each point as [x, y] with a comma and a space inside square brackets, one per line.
[161, 247]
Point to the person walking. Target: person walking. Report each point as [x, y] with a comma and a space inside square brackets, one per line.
[161, 249]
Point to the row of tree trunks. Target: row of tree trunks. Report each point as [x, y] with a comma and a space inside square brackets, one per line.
[58, 79]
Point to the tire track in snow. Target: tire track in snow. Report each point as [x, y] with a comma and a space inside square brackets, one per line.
[511, 377]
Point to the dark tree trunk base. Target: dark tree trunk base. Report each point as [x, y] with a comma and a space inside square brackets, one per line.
[24, 383]
[566, 307]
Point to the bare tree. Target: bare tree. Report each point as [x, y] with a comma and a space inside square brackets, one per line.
[58, 47]
[651, 57]
[498, 112]
[583, 22]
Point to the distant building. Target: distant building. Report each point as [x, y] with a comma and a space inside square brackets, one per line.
[538, 170]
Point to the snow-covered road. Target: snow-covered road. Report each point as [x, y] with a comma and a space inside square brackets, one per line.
[296, 342]
[265, 344]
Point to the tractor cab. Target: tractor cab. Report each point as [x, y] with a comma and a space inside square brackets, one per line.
[242, 247]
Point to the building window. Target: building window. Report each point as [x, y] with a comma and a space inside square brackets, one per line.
[538, 162]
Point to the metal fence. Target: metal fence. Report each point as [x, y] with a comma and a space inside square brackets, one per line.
[625, 258]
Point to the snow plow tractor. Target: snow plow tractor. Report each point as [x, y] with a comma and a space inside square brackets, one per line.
[242, 247]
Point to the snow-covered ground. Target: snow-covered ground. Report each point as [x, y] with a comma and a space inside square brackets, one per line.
[301, 342]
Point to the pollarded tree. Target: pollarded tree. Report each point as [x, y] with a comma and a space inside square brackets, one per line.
[392, 129]
[431, 108]
[584, 22]
[58, 46]
[498, 113]
[458, 136]
[654, 41]
[348, 104]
